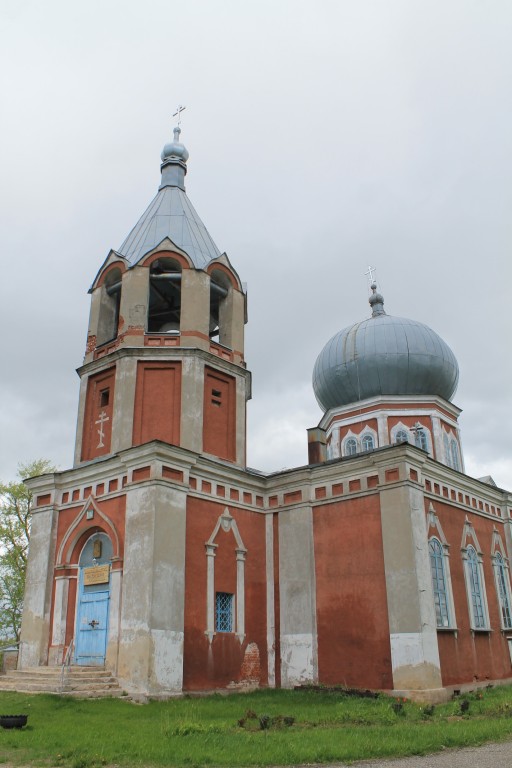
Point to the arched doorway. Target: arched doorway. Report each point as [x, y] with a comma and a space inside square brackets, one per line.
[93, 600]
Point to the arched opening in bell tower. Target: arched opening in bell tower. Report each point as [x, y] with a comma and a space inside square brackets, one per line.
[164, 306]
[110, 303]
[220, 287]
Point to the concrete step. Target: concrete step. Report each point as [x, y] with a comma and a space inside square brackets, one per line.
[85, 682]
[26, 675]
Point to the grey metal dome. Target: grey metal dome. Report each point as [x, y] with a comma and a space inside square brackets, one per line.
[383, 355]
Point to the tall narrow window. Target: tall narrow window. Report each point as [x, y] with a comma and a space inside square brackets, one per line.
[223, 612]
[475, 590]
[439, 583]
[350, 446]
[220, 308]
[367, 443]
[503, 588]
[454, 450]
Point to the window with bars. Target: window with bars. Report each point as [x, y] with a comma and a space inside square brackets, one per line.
[503, 591]
[475, 590]
[224, 612]
[439, 583]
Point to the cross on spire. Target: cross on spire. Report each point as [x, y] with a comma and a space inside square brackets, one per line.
[179, 110]
[370, 272]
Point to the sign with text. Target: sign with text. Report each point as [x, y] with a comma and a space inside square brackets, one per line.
[97, 574]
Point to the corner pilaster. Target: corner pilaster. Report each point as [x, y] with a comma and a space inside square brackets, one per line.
[415, 659]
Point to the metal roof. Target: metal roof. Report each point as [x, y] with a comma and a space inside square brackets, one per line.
[170, 214]
[383, 355]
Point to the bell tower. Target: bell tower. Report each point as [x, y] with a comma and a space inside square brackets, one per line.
[165, 344]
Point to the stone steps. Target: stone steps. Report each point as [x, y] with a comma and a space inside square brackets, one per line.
[81, 682]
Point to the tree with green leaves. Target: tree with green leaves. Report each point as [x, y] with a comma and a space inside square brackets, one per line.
[15, 512]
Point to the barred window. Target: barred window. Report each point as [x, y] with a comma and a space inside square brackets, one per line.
[223, 612]
[439, 584]
[503, 591]
[475, 589]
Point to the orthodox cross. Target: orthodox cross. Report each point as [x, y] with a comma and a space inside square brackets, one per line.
[370, 272]
[179, 110]
[101, 421]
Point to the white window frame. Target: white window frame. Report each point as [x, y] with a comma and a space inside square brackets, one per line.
[400, 427]
[500, 563]
[441, 606]
[436, 532]
[470, 542]
[225, 523]
[368, 432]
[350, 436]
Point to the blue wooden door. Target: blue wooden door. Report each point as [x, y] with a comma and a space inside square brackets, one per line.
[92, 626]
[93, 601]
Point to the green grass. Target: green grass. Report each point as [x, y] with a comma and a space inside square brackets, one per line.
[205, 731]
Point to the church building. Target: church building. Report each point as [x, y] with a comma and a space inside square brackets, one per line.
[161, 556]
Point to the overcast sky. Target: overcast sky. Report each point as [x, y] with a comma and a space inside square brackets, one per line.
[323, 136]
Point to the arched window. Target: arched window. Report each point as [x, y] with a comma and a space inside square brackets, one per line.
[420, 439]
[367, 443]
[164, 307]
[439, 582]
[220, 286]
[401, 436]
[503, 589]
[454, 450]
[474, 582]
[350, 446]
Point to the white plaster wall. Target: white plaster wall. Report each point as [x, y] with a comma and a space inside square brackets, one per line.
[124, 403]
[271, 630]
[297, 590]
[35, 626]
[167, 663]
[60, 610]
[298, 659]
[411, 613]
[192, 403]
[80, 419]
[152, 610]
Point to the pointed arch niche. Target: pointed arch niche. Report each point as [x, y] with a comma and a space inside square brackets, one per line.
[89, 520]
[225, 524]
[439, 553]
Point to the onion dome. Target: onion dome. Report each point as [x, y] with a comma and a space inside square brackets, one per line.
[174, 150]
[383, 355]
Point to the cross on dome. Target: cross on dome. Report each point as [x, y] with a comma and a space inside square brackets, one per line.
[179, 110]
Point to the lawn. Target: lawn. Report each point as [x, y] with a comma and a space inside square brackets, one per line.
[261, 728]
